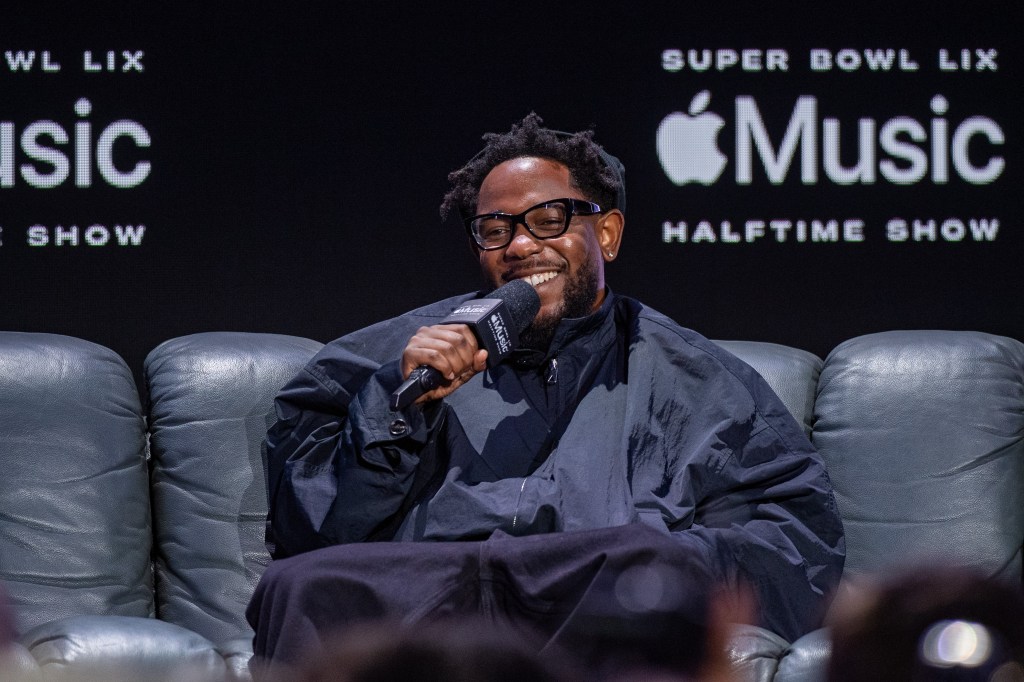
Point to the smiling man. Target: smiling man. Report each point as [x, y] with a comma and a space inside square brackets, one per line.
[566, 267]
[615, 469]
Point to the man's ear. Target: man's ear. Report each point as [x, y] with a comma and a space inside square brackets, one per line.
[609, 233]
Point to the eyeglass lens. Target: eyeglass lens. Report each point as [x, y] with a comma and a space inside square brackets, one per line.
[545, 221]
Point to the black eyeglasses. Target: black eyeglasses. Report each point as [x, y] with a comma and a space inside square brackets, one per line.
[546, 220]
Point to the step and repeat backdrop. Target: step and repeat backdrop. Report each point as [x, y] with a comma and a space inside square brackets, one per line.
[797, 173]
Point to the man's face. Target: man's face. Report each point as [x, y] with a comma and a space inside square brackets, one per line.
[567, 271]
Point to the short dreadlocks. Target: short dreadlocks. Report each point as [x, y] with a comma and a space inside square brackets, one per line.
[588, 164]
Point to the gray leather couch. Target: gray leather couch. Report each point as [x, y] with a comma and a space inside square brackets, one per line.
[131, 536]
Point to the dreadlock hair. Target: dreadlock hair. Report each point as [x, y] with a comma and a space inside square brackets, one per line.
[588, 170]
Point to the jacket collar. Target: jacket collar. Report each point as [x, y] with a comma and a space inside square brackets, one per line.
[571, 330]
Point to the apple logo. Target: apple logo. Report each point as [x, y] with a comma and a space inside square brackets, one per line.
[687, 145]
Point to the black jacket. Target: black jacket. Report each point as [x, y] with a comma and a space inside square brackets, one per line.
[628, 418]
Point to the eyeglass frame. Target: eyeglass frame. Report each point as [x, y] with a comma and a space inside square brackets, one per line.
[574, 207]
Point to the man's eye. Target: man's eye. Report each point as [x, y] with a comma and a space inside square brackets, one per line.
[546, 219]
[494, 231]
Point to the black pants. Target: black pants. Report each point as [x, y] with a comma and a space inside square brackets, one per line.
[583, 591]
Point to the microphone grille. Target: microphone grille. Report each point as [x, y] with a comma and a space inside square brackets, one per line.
[521, 300]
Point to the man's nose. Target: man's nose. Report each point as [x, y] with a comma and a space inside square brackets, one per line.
[523, 242]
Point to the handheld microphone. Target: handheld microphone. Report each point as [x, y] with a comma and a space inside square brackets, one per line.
[496, 322]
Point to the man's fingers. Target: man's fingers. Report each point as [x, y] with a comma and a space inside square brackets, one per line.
[450, 349]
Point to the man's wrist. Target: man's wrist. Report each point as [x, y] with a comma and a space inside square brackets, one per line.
[372, 414]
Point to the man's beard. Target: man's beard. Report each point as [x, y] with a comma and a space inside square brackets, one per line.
[580, 293]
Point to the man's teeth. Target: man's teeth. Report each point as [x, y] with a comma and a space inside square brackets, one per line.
[540, 278]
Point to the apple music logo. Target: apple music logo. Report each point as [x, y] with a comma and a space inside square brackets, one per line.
[901, 150]
[688, 143]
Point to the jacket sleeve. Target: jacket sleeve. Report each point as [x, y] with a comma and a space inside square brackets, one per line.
[766, 519]
[340, 462]
[734, 476]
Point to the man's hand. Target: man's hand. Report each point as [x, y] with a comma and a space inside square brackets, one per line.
[451, 349]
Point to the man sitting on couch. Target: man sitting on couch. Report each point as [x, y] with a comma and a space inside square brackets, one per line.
[615, 464]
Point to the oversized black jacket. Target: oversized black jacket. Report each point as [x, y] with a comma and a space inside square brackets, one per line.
[628, 418]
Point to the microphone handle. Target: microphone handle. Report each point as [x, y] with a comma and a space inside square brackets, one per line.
[421, 380]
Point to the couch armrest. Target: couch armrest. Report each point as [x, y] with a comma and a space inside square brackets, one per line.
[806, 660]
[123, 649]
[236, 654]
[754, 653]
[17, 664]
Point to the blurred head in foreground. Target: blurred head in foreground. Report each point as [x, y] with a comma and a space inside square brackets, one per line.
[931, 624]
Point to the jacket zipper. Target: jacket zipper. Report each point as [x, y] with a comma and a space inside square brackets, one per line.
[552, 374]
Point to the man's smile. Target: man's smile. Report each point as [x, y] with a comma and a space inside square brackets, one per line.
[534, 273]
[539, 278]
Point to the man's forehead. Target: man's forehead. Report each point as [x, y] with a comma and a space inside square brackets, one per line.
[527, 166]
[526, 175]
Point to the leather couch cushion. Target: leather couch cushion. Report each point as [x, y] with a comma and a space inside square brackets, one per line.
[211, 402]
[74, 495]
[923, 435]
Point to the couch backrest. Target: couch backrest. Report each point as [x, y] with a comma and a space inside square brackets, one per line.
[923, 436]
[74, 489]
[211, 402]
[922, 431]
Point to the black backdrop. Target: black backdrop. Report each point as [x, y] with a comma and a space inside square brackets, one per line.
[297, 159]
